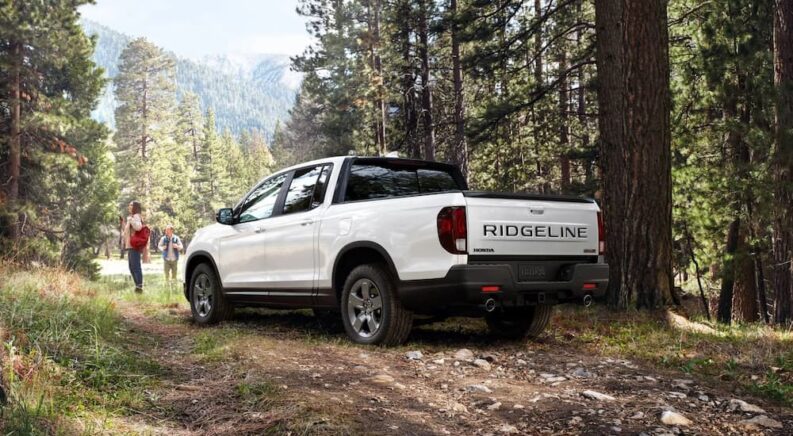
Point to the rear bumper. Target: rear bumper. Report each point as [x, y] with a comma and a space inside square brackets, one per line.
[461, 289]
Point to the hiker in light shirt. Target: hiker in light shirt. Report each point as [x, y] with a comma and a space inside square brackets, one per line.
[170, 245]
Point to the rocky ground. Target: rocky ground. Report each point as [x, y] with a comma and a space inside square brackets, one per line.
[279, 373]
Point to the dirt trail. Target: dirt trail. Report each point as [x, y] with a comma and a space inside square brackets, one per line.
[279, 377]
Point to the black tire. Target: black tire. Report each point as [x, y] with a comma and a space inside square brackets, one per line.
[207, 302]
[395, 322]
[524, 323]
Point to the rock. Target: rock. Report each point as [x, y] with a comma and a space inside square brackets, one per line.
[743, 406]
[638, 415]
[762, 421]
[582, 373]
[489, 357]
[414, 355]
[669, 417]
[439, 361]
[464, 354]
[508, 429]
[494, 406]
[616, 429]
[520, 362]
[478, 388]
[555, 379]
[383, 379]
[594, 395]
[704, 398]
[459, 408]
[482, 363]
[518, 406]
[547, 375]
[677, 394]
[400, 386]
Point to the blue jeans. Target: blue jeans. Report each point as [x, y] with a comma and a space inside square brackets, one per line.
[135, 268]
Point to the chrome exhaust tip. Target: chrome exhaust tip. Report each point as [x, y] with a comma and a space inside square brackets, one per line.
[490, 305]
[587, 300]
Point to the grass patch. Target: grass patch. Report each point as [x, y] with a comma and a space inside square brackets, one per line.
[756, 357]
[65, 361]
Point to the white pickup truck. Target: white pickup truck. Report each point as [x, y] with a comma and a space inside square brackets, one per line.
[377, 241]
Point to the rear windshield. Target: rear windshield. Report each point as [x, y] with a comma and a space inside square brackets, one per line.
[382, 180]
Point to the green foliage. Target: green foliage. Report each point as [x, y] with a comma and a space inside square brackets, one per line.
[67, 185]
[171, 157]
[64, 357]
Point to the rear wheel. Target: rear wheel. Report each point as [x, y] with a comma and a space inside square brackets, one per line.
[371, 311]
[524, 323]
[207, 302]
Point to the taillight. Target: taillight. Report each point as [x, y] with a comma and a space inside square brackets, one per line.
[452, 231]
[601, 235]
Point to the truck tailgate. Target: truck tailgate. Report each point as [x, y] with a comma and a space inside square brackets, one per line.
[525, 225]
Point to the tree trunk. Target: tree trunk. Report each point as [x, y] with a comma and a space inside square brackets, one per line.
[15, 141]
[724, 313]
[539, 118]
[460, 147]
[633, 61]
[783, 161]
[564, 108]
[744, 299]
[426, 92]
[582, 118]
[378, 69]
[409, 115]
[609, 60]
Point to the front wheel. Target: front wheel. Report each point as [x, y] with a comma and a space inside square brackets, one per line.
[524, 323]
[207, 302]
[371, 311]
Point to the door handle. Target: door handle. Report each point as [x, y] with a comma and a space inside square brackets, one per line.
[307, 222]
[259, 230]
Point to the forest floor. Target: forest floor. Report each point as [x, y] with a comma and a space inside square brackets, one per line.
[92, 357]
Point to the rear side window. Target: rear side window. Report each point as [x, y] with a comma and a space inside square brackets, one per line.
[301, 190]
[371, 181]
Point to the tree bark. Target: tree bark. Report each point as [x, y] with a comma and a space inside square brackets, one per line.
[582, 118]
[373, 23]
[744, 299]
[15, 141]
[782, 163]
[633, 68]
[564, 137]
[724, 313]
[539, 119]
[409, 115]
[426, 92]
[460, 147]
[609, 61]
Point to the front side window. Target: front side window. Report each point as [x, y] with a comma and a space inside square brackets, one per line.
[261, 202]
[301, 190]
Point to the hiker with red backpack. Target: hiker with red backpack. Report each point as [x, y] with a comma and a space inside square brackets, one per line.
[136, 241]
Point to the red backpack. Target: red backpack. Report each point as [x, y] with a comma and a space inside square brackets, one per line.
[140, 239]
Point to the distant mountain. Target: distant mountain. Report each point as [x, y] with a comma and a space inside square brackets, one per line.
[245, 91]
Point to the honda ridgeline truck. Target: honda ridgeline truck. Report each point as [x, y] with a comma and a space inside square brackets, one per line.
[379, 241]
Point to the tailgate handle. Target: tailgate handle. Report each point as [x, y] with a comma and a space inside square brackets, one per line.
[536, 210]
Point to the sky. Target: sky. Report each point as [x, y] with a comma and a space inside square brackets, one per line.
[195, 28]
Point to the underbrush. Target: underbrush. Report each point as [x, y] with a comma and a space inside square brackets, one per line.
[753, 357]
[66, 367]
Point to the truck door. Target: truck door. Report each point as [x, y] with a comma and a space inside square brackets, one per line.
[290, 245]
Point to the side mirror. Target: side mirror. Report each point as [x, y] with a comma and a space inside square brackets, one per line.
[225, 216]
